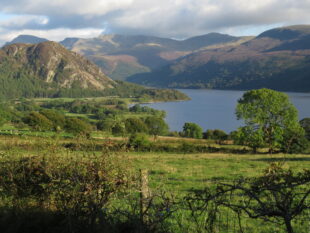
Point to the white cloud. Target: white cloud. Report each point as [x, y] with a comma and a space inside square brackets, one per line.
[174, 18]
[23, 20]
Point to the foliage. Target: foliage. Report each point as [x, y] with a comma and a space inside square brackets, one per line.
[119, 129]
[106, 124]
[278, 196]
[58, 119]
[192, 130]
[137, 108]
[77, 127]
[305, 123]
[156, 126]
[248, 136]
[139, 141]
[135, 125]
[268, 116]
[216, 134]
[78, 192]
[38, 121]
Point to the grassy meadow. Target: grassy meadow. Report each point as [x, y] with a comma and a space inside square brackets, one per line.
[174, 174]
[56, 178]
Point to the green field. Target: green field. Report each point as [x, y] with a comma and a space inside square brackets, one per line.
[74, 165]
[175, 174]
[183, 172]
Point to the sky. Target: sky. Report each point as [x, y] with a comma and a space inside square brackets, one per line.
[58, 19]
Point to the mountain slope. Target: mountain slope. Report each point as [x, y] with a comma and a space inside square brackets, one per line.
[52, 63]
[49, 70]
[122, 56]
[278, 58]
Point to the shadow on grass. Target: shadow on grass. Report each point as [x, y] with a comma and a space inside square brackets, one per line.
[37, 221]
[283, 159]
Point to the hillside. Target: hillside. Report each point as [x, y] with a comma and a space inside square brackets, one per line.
[278, 59]
[122, 56]
[50, 70]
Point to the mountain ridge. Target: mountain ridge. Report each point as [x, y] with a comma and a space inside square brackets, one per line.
[273, 59]
[121, 56]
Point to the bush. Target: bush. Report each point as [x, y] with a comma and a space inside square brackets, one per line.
[77, 127]
[135, 125]
[216, 134]
[60, 193]
[139, 142]
[58, 119]
[38, 121]
[192, 130]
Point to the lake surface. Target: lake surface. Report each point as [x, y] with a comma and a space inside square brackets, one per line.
[215, 109]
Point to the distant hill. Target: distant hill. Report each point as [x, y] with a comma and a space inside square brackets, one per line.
[121, 56]
[278, 59]
[26, 39]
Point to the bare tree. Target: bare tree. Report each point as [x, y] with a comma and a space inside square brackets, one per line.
[278, 196]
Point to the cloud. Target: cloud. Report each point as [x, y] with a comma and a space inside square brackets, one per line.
[24, 21]
[52, 34]
[169, 18]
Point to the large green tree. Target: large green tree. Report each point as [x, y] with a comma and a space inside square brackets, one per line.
[270, 118]
[156, 126]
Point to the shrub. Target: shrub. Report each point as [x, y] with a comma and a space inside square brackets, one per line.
[38, 121]
[139, 141]
[77, 127]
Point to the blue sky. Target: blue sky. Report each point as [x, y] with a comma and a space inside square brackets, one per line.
[58, 19]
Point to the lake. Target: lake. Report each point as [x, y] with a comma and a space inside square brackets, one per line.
[215, 109]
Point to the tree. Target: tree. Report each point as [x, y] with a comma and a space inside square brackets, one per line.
[156, 126]
[278, 196]
[216, 134]
[38, 121]
[106, 124]
[305, 123]
[77, 127]
[247, 135]
[135, 125]
[58, 119]
[139, 141]
[119, 129]
[192, 130]
[269, 116]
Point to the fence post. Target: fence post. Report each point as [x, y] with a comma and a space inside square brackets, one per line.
[144, 195]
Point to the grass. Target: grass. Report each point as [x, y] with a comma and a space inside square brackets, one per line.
[183, 172]
[179, 172]
[176, 173]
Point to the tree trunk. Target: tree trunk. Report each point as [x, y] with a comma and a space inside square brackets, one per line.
[288, 225]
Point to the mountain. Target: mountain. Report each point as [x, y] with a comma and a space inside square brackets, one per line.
[278, 59]
[48, 69]
[26, 39]
[122, 56]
